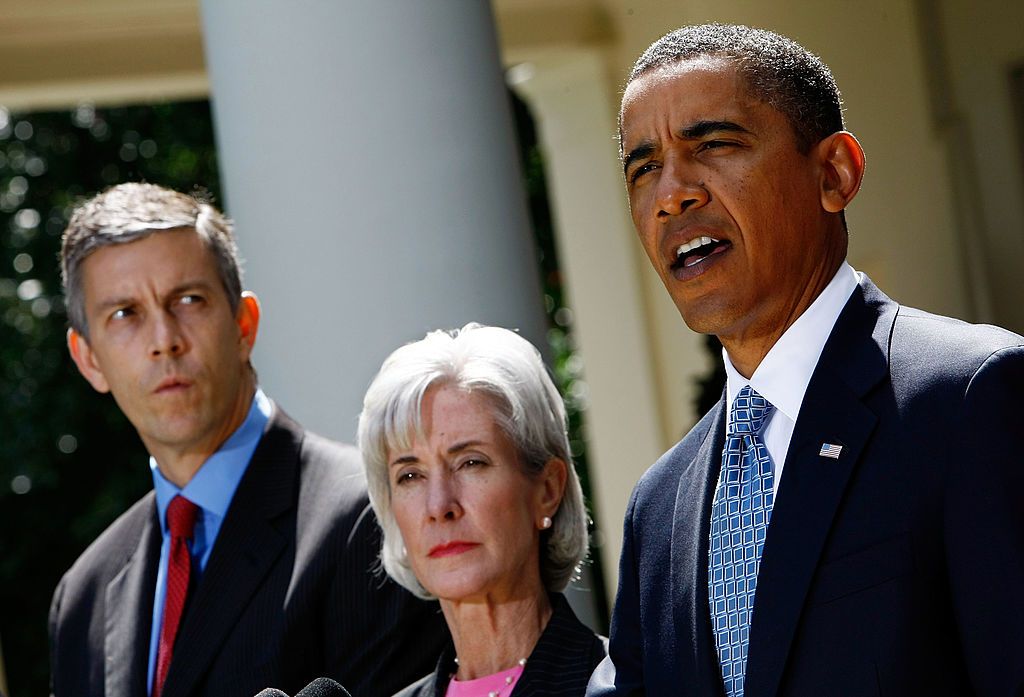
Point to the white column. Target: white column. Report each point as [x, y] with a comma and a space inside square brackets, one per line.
[368, 158]
[600, 259]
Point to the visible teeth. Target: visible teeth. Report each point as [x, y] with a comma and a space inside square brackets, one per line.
[693, 244]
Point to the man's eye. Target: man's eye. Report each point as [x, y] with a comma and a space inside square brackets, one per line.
[121, 313]
[716, 144]
[190, 299]
[642, 170]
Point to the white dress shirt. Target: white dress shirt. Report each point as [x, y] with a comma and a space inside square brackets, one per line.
[783, 375]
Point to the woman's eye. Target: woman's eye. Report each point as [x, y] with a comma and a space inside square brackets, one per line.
[406, 477]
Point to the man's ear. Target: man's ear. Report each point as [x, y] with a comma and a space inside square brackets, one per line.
[553, 479]
[842, 172]
[85, 359]
[248, 319]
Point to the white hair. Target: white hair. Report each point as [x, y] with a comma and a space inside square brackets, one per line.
[508, 370]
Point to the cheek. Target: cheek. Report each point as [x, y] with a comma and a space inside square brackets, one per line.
[648, 238]
[403, 510]
[516, 521]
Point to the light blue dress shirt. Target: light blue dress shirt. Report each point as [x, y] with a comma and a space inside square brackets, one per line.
[212, 489]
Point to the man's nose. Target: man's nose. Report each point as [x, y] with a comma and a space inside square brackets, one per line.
[443, 499]
[679, 190]
[166, 338]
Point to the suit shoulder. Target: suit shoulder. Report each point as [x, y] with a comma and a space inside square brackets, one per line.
[935, 350]
[333, 499]
[335, 468]
[109, 552]
[668, 467]
[947, 339]
[338, 459]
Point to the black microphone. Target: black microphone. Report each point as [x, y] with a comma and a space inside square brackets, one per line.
[321, 687]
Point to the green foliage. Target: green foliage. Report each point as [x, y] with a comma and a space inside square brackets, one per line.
[567, 365]
[69, 461]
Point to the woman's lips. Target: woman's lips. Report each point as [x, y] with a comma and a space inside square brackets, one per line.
[451, 548]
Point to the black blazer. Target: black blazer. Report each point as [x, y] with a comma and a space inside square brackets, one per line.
[560, 665]
[287, 594]
[896, 569]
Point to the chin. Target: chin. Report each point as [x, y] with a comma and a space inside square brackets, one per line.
[708, 316]
[459, 590]
[700, 322]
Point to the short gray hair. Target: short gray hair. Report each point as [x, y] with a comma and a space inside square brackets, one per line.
[508, 370]
[128, 212]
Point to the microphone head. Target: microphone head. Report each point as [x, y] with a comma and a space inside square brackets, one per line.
[271, 692]
[322, 687]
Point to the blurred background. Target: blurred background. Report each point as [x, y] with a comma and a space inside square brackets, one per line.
[395, 166]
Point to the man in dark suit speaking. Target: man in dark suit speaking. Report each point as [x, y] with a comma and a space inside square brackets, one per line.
[849, 519]
[250, 563]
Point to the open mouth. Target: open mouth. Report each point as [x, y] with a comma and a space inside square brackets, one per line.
[697, 250]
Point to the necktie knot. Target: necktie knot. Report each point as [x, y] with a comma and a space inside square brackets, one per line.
[749, 412]
[181, 517]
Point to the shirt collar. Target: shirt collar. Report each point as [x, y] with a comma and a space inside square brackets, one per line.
[783, 375]
[213, 485]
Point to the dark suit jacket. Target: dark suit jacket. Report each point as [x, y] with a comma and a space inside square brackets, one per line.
[896, 569]
[559, 666]
[287, 594]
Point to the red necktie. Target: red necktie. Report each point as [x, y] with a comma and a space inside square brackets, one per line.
[181, 519]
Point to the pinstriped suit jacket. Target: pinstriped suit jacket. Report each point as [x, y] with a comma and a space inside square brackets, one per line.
[560, 665]
[288, 593]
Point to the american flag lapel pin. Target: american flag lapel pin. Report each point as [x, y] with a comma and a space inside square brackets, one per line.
[830, 450]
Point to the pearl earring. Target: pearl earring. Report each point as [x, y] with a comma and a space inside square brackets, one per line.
[546, 523]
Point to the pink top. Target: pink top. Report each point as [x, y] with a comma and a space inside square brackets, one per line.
[501, 683]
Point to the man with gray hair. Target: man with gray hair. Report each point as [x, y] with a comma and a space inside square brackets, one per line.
[250, 564]
[848, 519]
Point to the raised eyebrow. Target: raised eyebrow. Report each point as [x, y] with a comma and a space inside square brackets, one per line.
[457, 447]
[462, 445]
[184, 288]
[404, 460]
[111, 303]
[641, 151]
[702, 129]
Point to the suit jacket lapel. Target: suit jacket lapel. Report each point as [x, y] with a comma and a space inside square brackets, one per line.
[690, 529]
[854, 360]
[562, 650]
[128, 603]
[246, 548]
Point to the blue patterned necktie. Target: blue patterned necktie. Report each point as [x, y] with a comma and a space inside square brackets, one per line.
[739, 521]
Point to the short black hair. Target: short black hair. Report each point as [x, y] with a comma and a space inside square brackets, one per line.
[778, 71]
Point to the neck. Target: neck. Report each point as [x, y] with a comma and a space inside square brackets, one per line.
[748, 346]
[490, 637]
[179, 463]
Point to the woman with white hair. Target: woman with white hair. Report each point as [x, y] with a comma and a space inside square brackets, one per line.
[469, 472]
